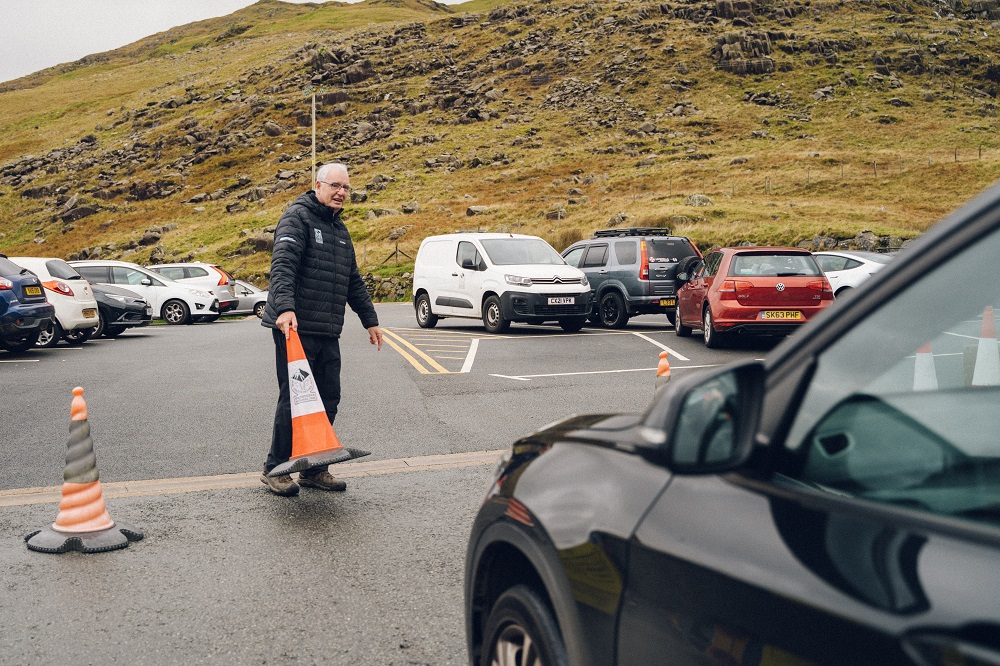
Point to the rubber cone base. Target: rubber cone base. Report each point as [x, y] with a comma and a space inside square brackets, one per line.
[318, 459]
[48, 540]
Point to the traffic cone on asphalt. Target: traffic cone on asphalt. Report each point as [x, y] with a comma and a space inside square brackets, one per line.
[314, 443]
[987, 370]
[924, 373]
[83, 522]
[662, 370]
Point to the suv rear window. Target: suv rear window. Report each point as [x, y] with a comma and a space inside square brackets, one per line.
[669, 250]
[774, 265]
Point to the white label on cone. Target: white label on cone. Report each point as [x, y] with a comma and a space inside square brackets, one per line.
[302, 389]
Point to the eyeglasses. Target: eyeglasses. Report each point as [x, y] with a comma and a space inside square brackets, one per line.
[337, 186]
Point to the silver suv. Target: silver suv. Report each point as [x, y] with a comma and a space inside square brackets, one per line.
[631, 271]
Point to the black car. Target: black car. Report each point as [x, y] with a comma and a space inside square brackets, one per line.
[631, 271]
[119, 309]
[837, 503]
[24, 310]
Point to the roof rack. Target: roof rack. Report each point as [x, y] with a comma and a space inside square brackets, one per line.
[633, 231]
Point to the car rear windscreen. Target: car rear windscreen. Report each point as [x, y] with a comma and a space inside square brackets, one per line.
[773, 265]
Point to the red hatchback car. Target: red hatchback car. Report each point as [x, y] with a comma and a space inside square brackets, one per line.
[750, 290]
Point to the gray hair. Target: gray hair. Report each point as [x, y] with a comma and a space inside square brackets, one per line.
[327, 168]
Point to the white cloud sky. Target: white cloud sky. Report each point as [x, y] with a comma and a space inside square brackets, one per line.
[35, 34]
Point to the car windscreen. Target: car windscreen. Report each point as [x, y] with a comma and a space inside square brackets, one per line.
[511, 251]
[60, 270]
[669, 250]
[773, 265]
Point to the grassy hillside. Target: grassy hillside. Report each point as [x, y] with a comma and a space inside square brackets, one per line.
[796, 119]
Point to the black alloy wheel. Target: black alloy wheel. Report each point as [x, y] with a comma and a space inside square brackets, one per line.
[612, 310]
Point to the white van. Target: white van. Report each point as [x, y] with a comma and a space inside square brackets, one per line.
[499, 278]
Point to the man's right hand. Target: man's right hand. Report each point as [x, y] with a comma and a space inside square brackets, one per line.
[286, 322]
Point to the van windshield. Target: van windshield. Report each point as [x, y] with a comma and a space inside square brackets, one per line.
[510, 251]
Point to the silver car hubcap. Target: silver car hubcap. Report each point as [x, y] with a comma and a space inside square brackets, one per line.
[514, 647]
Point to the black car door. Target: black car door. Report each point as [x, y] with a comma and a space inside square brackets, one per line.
[866, 528]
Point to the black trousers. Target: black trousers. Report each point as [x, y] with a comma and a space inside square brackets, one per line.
[323, 354]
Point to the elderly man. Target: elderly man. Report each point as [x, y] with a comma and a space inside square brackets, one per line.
[314, 274]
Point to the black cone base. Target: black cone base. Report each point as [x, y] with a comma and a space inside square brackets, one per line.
[48, 540]
[318, 459]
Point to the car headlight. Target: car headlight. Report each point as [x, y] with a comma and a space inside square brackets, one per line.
[517, 280]
[584, 281]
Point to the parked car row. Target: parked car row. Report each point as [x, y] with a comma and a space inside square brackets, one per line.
[46, 300]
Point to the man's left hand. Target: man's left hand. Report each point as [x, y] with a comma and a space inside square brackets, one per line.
[375, 336]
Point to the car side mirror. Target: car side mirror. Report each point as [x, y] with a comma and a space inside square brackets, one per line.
[146, 282]
[705, 423]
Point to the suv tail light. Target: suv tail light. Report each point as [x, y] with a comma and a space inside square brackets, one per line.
[822, 286]
[6, 284]
[226, 277]
[59, 287]
[643, 261]
[731, 289]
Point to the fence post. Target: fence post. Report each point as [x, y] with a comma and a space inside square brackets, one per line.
[875, 167]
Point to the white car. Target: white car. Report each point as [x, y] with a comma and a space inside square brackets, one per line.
[846, 269]
[71, 296]
[171, 301]
[251, 299]
[210, 277]
[499, 278]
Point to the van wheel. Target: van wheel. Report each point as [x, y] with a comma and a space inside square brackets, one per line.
[425, 318]
[572, 324]
[493, 319]
[612, 309]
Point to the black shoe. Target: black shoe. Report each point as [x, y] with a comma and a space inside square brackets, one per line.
[322, 480]
[280, 485]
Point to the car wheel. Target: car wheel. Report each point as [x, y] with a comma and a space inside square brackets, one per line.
[520, 630]
[493, 319]
[680, 329]
[672, 317]
[425, 318]
[713, 340]
[612, 309]
[22, 345]
[50, 335]
[572, 324]
[259, 310]
[102, 325]
[79, 336]
[843, 291]
[175, 312]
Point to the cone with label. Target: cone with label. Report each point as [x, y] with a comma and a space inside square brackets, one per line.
[924, 372]
[83, 522]
[987, 370]
[314, 443]
[663, 370]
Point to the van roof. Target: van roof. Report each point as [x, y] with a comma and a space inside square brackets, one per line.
[477, 235]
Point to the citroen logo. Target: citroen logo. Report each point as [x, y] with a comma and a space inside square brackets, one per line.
[557, 280]
[780, 286]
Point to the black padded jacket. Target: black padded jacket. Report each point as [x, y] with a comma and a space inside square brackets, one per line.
[314, 271]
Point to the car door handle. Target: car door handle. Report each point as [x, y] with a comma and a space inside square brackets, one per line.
[454, 274]
[602, 272]
[931, 647]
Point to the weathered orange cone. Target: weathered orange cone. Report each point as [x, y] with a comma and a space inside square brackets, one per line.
[924, 372]
[314, 443]
[987, 370]
[83, 522]
[662, 370]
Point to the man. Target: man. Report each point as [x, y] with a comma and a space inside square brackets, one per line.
[314, 274]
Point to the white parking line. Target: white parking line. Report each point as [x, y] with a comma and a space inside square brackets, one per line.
[20, 360]
[471, 356]
[665, 348]
[528, 378]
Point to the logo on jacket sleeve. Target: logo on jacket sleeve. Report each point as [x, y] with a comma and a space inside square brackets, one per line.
[319, 236]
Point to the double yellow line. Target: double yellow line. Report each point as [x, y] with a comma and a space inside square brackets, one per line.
[437, 368]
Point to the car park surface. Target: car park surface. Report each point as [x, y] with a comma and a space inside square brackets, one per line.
[171, 301]
[846, 269]
[24, 309]
[749, 291]
[631, 271]
[71, 296]
[836, 503]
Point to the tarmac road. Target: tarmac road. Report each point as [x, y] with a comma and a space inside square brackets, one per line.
[228, 571]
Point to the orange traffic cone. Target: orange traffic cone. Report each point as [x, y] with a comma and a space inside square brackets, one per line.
[987, 370]
[924, 373]
[83, 522]
[314, 443]
[662, 370]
